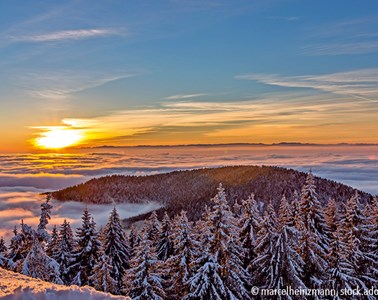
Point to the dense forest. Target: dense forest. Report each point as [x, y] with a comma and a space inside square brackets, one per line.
[192, 190]
[226, 254]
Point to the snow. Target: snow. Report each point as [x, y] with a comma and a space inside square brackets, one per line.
[14, 286]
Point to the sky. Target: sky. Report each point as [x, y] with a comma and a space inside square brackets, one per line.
[121, 72]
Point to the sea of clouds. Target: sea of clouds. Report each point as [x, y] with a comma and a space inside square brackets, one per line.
[24, 176]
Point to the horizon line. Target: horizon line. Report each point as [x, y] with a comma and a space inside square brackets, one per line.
[226, 144]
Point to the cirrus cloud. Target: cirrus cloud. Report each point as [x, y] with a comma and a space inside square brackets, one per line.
[76, 34]
[361, 83]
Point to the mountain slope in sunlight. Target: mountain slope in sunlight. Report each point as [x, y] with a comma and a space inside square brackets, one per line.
[17, 286]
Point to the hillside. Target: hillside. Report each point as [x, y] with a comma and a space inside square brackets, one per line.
[17, 286]
[191, 190]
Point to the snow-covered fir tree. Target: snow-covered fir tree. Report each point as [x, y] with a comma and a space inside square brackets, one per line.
[143, 281]
[20, 246]
[116, 250]
[165, 244]
[46, 207]
[207, 282]
[331, 217]
[340, 273]
[86, 253]
[102, 278]
[181, 263]
[372, 219]
[354, 228]
[152, 229]
[3, 247]
[66, 246]
[284, 212]
[313, 244]
[53, 245]
[278, 264]
[294, 209]
[200, 228]
[38, 265]
[223, 244]
[133, 239]
[370, 244]
[249, 222]
[265, 243]
[3, 254]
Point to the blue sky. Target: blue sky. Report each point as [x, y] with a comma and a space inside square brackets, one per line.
[98, 62]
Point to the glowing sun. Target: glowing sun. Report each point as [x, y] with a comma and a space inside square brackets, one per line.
[57, 137]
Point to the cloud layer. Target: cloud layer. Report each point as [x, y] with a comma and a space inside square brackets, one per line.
[24, 176]
[53, 171]
[18, 203]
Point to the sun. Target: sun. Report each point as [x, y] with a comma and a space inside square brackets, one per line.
[58, 137]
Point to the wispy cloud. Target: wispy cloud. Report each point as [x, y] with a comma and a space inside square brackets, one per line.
[342, 48]
[185, 96]
[348, 37]
[285, 18]
[61, 85]
[63, 35]
[358, 83]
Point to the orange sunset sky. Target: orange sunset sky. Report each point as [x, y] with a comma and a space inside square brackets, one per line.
[120, 73]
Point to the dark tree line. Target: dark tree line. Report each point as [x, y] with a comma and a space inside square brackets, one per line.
[191, 190]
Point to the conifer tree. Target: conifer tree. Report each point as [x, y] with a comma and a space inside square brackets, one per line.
[331, 217]
[46, 207]
[294, 208]
[250, 222]
[207, 282]
[64, 256]
[165, 244]
[340, 272]
[224, 248]
[86, 253]
[20, 246]
[3, 254]
[278, 264]
[3, 247]
[313, 244]
[53, 245]
[143, 280]
[354, 229]
[115, 248]
[102, 278]
[284, 212]
[264, 244]
[133, 240]
[181, 263]
[38, 265]
[373, 235]
[201, 229]
[152, 229]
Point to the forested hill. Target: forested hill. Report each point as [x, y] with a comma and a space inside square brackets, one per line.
[191, 190]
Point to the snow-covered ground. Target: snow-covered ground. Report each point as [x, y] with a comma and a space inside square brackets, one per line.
[19, 287]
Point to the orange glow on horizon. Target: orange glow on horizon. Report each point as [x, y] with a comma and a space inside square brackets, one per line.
[58, 137]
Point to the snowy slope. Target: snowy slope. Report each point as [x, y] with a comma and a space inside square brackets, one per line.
[17, 286]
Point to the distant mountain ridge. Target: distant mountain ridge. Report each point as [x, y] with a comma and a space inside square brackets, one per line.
[227, 144]
[191, 190]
